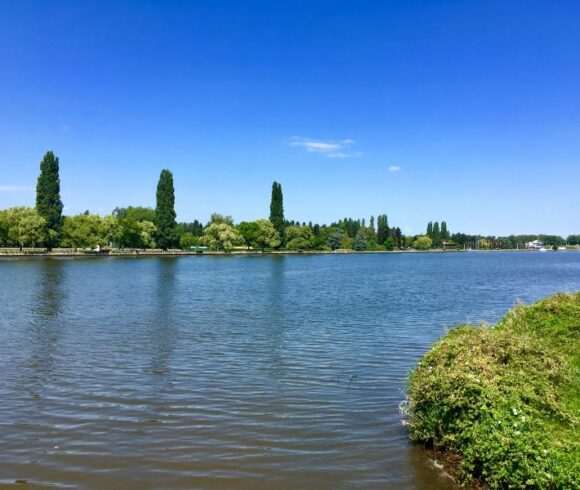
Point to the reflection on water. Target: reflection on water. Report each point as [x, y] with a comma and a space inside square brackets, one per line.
[234, 372]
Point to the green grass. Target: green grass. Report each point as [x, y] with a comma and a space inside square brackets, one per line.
[505, 399]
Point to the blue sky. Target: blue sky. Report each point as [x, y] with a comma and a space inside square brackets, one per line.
[461, 111]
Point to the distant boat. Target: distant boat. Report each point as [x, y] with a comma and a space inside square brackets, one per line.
[543, 249]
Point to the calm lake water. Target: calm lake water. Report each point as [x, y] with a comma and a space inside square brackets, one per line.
[235, 372]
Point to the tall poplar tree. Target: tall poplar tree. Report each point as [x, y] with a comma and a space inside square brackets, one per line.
[382, 228]
[430, 229]
[165, 211]
[444, 232]
[277, 211]
[436, 234]
[48, 203]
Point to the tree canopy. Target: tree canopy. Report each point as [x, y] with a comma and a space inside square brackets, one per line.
[48, 203]
[277, 211]
[165, 211]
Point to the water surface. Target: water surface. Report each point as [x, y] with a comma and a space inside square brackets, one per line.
[235, 372]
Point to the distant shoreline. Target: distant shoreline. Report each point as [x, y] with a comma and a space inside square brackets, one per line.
[145, 253]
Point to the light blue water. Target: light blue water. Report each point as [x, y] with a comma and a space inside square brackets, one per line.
[235, 372]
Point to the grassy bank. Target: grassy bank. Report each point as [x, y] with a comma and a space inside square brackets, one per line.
[504, 401]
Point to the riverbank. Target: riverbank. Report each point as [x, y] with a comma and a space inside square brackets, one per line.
[36, 252]
[503, 402]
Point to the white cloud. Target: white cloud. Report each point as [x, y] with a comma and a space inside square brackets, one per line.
[394, 168]
[330, 149]
[13, 189]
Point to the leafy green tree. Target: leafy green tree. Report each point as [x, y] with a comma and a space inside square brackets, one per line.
[277, 211]
[3, 229]
[422, 243]
[346, 243]
[221, 236]
[218, 219]
[25, 226]
[483, 244]
[430, 229]
[81, 231]
[334, 239]
[110, 230]
[137, 234]
[299, 238]
[573, 239]
[187, 240]
[89, 230]
[267, 236]
[259, 234]
[147, 232]
[48, 203]
[390, 244]
[361, 242]
[135, 213]
[195, 228]
[249, 230]
[165, 211]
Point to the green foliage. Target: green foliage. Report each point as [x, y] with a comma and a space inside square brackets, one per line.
[506, 399]
[267, 236]
[135, 213]
[277, 211]
[89, 230]
[22, 226]
[573, 239]
[422, 243]
[382, 229]
[165, 211]
[483, 244]
[390, 244]
[346, 243]
[221, 236]
[299, 238]
[218, 219]
[48, 203]
[444, 231]
[430, 229]
[249, 231]
[259, 234]
[360, 242]
[334, 239]
[436, 237]
[187, 240]
[146, 233]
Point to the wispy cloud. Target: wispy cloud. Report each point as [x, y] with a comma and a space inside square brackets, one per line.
[14, 189]
[330, 149]
[394, 168]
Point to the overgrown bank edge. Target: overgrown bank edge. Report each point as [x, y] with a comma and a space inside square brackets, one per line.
[505, 399]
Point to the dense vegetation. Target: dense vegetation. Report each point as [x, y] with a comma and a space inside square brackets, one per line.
[141, 227]
[506, 399]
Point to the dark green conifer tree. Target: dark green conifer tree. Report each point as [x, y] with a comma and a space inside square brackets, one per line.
[48, 203]
[277, 211]
[430, 230]
[165, 211]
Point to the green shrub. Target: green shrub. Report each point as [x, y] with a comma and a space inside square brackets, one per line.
[505, 399]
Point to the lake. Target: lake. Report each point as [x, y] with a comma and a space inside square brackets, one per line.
[235, 372]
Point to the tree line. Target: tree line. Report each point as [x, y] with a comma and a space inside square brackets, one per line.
[143, 227]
